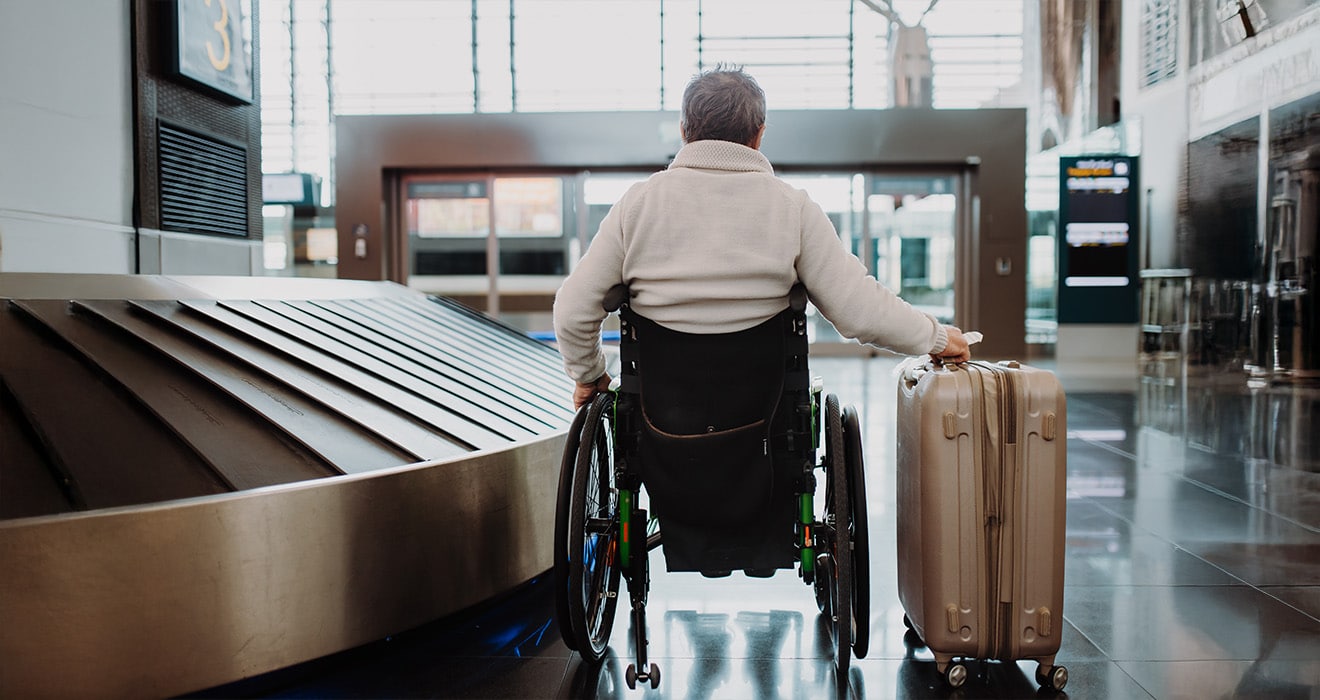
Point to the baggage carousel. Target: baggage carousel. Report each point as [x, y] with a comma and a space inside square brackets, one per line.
[207, 478]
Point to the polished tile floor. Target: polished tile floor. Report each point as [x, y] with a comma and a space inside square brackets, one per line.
[1193, 571]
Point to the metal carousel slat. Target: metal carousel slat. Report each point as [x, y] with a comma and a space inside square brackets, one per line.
[479, 406]
[112, 451]
[31, 485]
[339, 343]
[443, 418]
[486, 326]
[415, 349]
[482, 331]
[393, 423]
[488, 331]
[541, 381]
[345, 446]
[241, 445]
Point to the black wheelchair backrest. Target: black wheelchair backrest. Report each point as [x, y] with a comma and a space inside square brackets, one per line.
[705, 419]
[749, 368]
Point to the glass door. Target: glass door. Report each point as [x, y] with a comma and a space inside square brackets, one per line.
[842, 197]
[500, 243]
[914, 225]
[504, 242]
[905, 229]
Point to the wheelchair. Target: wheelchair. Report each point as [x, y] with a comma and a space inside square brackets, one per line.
[723, 433]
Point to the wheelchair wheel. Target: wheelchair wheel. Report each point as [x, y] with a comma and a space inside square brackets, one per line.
[838, 516]
[593, 527]
[861, 542]
[562, 506]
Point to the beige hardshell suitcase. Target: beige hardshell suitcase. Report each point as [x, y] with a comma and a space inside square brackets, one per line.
[982, 458]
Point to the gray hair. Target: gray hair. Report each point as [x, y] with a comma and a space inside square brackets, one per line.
[724, 104]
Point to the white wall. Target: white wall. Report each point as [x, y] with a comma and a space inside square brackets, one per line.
[66, 124]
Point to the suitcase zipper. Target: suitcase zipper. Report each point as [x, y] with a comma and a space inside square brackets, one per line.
[1007, 479]
[990, 507]
[998, 613]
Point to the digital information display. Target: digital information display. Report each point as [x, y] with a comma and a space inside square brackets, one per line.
[1098, 245]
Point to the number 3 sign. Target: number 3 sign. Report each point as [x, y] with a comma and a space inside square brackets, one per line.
[213, 41]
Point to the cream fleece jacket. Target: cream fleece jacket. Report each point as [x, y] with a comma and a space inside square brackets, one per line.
[712, 245]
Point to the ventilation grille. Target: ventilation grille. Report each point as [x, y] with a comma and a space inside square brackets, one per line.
[203, 184]
[1159, 41]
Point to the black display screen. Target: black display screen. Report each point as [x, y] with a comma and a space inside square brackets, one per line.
[1098, 229]
[1098, 239]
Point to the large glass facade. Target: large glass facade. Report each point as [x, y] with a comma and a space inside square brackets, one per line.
[322, 58]
[510, 237]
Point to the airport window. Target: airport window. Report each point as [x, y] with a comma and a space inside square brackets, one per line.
[322, 58]
[599, 193]
[529, 206]
[448, 209]
[1159, 41]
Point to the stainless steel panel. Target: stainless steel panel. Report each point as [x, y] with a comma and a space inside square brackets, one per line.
[176, 597]
[444, 421]
[245, 450]
[41, 285]
[328, 331]
[47, 285]
[472, 373]
[105, 451]
[342, 444]
[229, 287]
[382, 411]
[167, 586]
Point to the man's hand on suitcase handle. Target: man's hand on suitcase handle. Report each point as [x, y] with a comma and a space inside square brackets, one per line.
[958, 348]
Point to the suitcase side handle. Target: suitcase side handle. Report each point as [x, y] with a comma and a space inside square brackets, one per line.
[914, 369]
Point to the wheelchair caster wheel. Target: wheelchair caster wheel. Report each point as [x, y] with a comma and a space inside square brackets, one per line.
[631, 677]
[955, 675]
[824, 574]
[1055, 679]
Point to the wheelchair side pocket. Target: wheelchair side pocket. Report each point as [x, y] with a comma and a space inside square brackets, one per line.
[719, 478]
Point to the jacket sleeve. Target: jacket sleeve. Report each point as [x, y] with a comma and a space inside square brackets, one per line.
[858, 305]
[578, 313]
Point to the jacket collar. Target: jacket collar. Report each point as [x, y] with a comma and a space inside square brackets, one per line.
[721, 155]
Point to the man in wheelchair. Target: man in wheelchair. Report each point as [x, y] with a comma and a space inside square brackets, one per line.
[710, 265]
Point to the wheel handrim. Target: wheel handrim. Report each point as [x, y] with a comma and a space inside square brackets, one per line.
[839, 511]
[563, 515]
[600, 547]
[593, 571]
[858, 533]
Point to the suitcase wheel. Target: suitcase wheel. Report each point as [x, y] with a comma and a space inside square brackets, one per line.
[955, 675]
[1055, 678]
